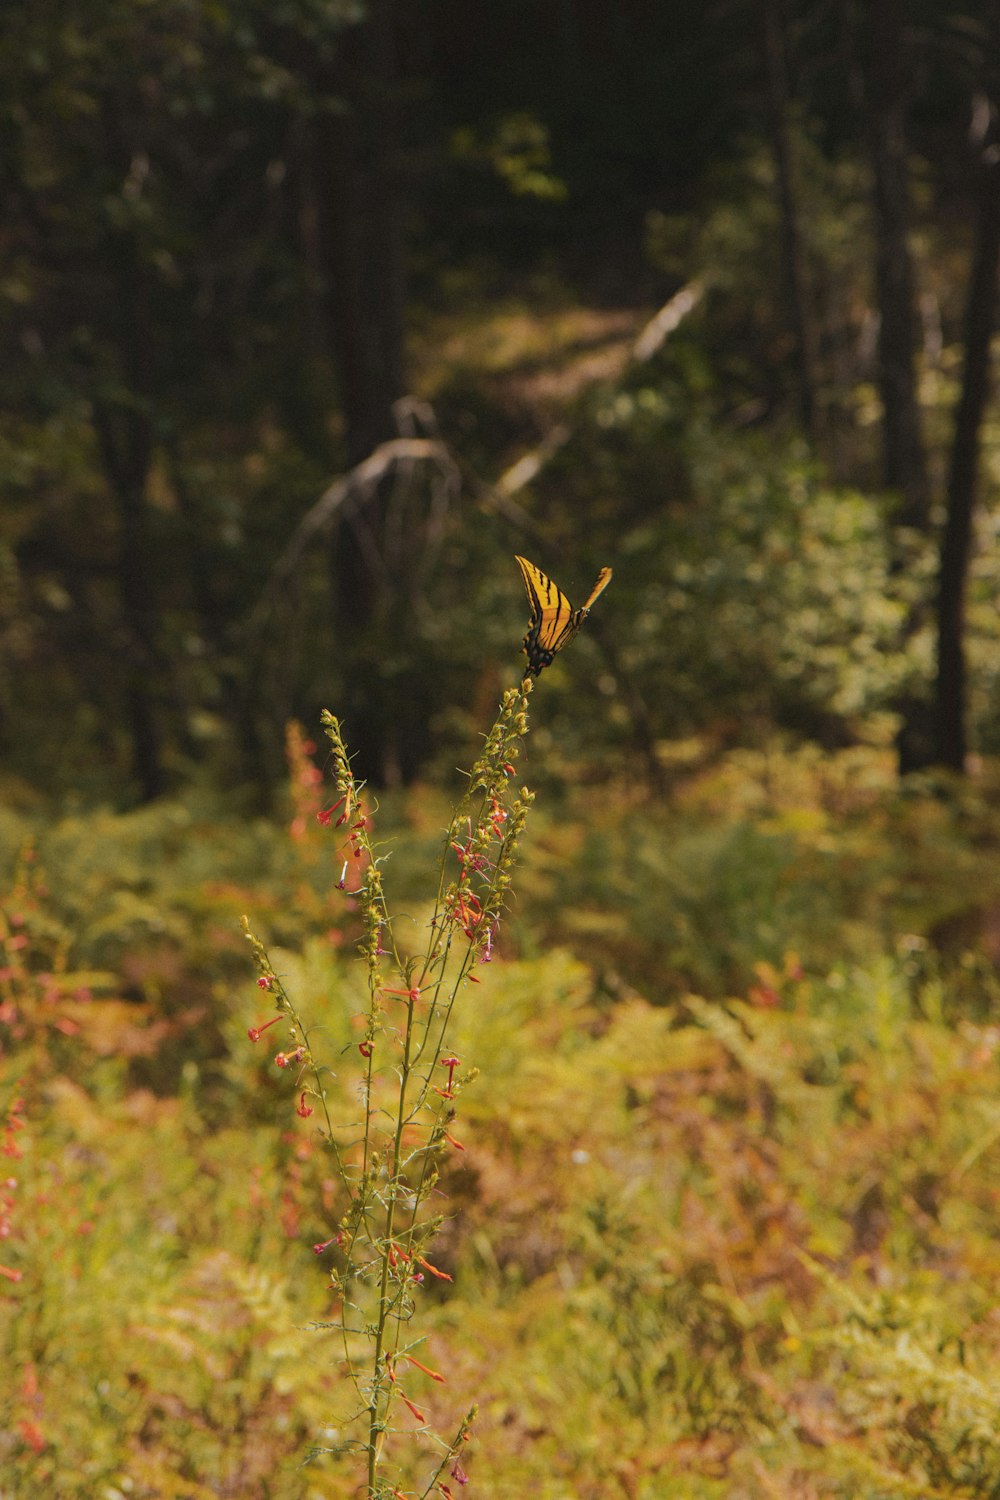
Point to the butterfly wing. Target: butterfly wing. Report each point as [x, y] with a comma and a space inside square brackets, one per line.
[603, 579]
[554, 621]
[551, 617]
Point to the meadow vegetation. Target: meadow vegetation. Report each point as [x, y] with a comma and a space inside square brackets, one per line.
[724, 1221]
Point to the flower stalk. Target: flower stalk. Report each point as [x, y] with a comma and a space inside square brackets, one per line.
[388, 1161]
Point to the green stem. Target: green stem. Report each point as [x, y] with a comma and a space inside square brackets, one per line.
[389, 1228]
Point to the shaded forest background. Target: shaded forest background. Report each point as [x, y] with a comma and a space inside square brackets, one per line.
[245, 248]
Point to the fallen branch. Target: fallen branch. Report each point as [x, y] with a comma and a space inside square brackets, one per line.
[350, 493]
[650, 339]
[669, 317]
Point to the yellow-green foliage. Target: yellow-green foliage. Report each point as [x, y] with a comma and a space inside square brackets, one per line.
[703, 1248]
[154, 1343]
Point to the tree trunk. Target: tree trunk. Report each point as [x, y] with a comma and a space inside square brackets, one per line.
[904, 465]
[355, 185]
[796, 275]
[357, 219]
[956, 542]
[124, 440]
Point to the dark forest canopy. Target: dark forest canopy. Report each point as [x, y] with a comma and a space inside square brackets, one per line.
[245, 247]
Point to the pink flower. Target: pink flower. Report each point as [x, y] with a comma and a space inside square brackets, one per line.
[451, 1063]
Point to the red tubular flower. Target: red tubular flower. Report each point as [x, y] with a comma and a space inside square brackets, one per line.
[366, 1049]
[304, 1109]
[33, 1436]
[441, 1275]
[467, 910]
[412, 995]
[328, 812]
[451, 1063]
[452, 1142]
[414, 1409]
[434, 1374]
[256, 1032]
[498, 816]
[265, 982]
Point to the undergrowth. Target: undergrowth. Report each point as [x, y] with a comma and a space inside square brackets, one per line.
[702, 1245]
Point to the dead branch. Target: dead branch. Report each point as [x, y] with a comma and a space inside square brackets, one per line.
[669, 317]
[349, 495]
[650, 339]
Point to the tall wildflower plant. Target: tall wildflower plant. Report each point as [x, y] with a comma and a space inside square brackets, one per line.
[389, 1156]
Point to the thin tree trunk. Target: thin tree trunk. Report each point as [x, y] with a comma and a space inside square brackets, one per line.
[355, 184]
[793, 251]
[905, 468]
[124, 440]
[357, 217]
[956, 542]
[904, 463]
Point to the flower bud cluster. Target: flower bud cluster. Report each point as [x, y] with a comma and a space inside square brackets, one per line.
[370, 896]
[485, 841]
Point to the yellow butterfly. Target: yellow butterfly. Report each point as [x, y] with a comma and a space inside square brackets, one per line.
[554, 621]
